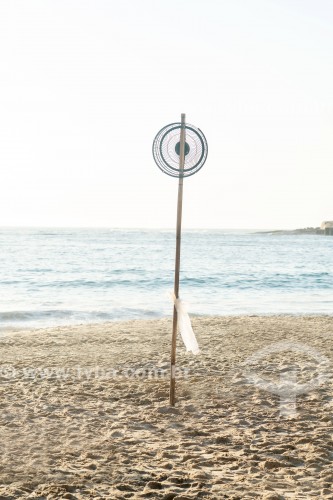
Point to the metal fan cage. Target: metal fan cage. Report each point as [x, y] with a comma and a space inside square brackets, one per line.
[166, 150]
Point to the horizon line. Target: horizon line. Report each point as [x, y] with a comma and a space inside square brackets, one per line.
[168, 228]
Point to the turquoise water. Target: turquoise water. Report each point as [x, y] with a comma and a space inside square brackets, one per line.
[67, 276]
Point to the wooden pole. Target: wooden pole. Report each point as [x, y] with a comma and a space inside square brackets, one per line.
[177, 260]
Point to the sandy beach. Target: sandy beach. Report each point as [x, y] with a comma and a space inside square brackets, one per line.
[85, 412]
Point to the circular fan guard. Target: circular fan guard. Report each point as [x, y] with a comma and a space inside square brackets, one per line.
[166, 150]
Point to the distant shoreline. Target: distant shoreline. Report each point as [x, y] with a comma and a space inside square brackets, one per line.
[305, 230]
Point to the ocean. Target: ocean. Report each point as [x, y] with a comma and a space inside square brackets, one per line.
[51, 277]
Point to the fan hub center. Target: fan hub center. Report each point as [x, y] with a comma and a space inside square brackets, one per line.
[177, 148]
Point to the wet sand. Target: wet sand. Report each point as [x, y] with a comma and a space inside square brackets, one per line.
[85, 412]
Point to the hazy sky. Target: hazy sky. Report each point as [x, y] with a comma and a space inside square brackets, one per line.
[86, 85]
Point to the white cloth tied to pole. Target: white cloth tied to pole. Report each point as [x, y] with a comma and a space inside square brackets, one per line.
[185, 327]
